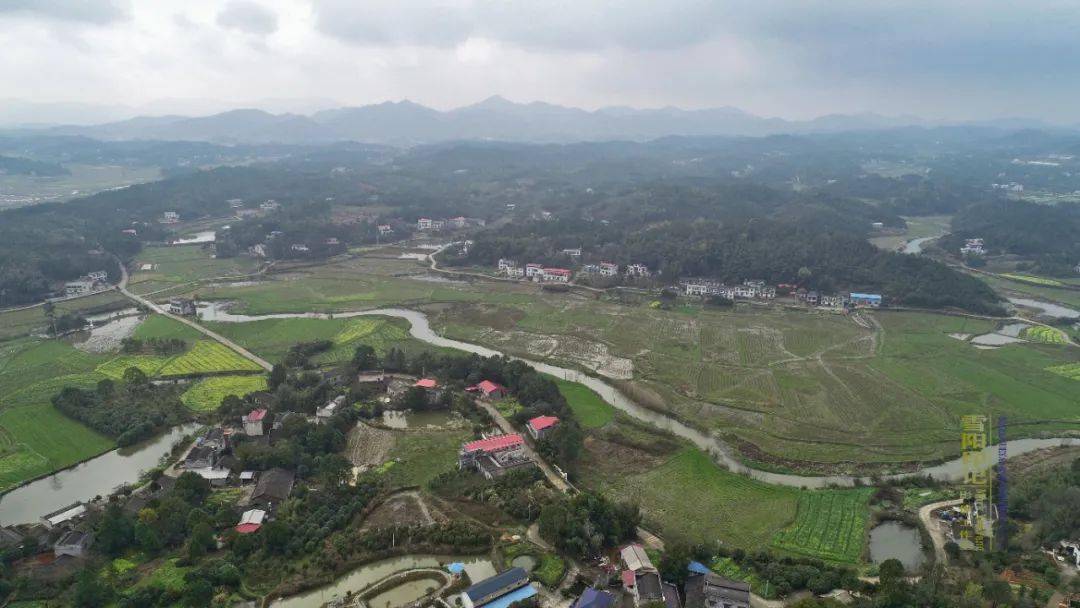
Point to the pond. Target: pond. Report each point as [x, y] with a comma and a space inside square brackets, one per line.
[95, 477]
[1048, 309]
[478, 568]
[206, 236]
[894, 540]
[404, 593]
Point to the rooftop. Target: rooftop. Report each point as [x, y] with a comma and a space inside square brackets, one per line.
[427, 383]
[503, 580]
[256, 415]
[543, 422]
[493, 444]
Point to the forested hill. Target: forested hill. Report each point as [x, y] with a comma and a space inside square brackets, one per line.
[1048, 234]
[775, 250]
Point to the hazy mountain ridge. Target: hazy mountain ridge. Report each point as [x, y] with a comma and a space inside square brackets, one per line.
[494, 118]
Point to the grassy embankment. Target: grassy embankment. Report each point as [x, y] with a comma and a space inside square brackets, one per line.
[178, 265]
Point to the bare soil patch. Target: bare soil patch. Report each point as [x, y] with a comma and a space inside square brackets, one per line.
[368, 446]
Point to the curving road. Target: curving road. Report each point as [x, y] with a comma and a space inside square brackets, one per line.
[240, 350]
[934, 527]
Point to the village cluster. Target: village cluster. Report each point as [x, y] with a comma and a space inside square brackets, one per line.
[540, 273]
[632, 580]
[92, 282]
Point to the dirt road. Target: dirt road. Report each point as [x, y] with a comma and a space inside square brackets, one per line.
[122, 287]
[937, 535]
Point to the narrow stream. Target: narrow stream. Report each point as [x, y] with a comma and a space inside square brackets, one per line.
[721, 451]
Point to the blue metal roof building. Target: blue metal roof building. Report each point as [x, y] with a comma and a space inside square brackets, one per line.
[491, 592]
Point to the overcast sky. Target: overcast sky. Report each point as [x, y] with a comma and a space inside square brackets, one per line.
[948, 59]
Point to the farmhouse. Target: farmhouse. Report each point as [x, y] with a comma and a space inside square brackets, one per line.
[832, 301]
[557, 275]
[73, 543]
[607, 269]
[385, 230]
[495, 455]
[299, 248]
[253, 422]
[374, 378]
[533, 270]
[251, 521]
[269, 205]
[98, 275]
[326, 412]
[708, 590]
[200, 457]
[216, 476]
[515, 272]
[812, 298]
[273, 487]
[872, 300]
[79, 287]
[573, 253]
[66, 515]
[695, 289]
[505, 264]
[540, 426]
[633, 558]
[503, 589]
[182, 306]
[973, 247]
[637, 270]
[488, 389]
[423, 223]
[170, 217]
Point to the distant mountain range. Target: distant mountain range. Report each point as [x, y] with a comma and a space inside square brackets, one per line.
[495, 118]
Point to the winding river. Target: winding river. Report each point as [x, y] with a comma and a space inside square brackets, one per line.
[95, 477]
[420, 329]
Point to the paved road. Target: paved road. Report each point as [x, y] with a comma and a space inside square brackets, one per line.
[122, 287]
[937, 535]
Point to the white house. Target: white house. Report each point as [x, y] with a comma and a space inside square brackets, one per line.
[170, 217]
[385, 229]
[533, 270]
[505, 264]
[253, 422]
[423, 223]
[607, 269]
[269, 205]
[637, 270]
[557, 275]
[65, 515]
[695, 289]
[973, 247]
[326, 412]
[78, 288]
[574, 253]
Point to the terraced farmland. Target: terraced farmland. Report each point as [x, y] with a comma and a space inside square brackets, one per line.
[830, 524]
[1071, 370]
[204, 357]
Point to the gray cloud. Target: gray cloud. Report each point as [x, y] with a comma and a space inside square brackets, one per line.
[97, 12]
[248, 17]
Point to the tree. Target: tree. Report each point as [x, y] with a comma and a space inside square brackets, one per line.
[674, 563]
[116, 532]
[198, 593]
[191, 488]
[364, 357]
[135, 377]
[91, 591]
[147, 538]
[278, 374]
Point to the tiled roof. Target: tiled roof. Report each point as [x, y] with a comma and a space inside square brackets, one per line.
[248, 528]
[256, 415]
[542, 422]
[483, 589]
[487, 387]
[493, 444]
[426, 383]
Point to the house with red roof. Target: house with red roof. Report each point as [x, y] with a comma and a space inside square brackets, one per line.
[494, 456]
[251, 521]
[489, 389]
[557, 275]
[253, 422]
[540, 426]
[428, 383]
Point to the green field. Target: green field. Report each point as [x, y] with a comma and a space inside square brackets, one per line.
[33, 320]
[176, 266]
[420, 456]
[1071, 370]
[163, 328]
[590, 410]
[206, 394]
[830, 524]
[203, 357]
[271, 339]
[691, 498]
[37, 439]
[1045, 335]
[1027, 278]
